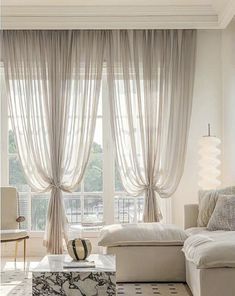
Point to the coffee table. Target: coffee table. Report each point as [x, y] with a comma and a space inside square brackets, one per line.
[51, 278]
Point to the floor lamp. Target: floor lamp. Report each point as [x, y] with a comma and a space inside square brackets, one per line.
[209, 163]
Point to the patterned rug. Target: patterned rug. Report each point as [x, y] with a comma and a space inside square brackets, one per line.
[14, 282]
[152, 289]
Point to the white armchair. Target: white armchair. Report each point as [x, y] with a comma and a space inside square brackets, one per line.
[10, 221]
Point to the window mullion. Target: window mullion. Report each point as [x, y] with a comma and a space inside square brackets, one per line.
[82, 201]
[135, 209]
[108, 159]
[29, 197]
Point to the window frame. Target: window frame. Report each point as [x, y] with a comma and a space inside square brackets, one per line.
[108, 164]
[108, 160]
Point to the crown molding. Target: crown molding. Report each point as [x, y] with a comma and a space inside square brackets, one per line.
[102, 10]
[114, 17]
[127, 22]
[227, 14]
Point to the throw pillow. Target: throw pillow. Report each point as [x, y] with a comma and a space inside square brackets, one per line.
[223, 217]
[207, 202]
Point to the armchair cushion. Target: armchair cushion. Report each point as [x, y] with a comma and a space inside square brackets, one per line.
[13, 234]
[9, 202]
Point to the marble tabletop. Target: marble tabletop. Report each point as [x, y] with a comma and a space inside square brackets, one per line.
[55, 263]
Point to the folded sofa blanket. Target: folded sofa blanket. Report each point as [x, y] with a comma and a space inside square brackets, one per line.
[211, 249]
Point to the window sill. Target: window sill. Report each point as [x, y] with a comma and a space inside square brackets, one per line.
[87, 234]
[36, 234]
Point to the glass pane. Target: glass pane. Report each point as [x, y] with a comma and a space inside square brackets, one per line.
[73, 208]
[24, 188]
[94, 174]
[139, 208]
[99, 112]
[16, 175]
[118, 182]
[78, 189]
[11, 142]
[24, 209]
[97, 146]
[39, 205]
[93, 209]
[124, 209]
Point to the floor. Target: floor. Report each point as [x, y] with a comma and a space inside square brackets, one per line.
[17, 281]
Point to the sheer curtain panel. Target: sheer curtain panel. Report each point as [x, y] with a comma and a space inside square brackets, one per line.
[150, 78]
[53, 81]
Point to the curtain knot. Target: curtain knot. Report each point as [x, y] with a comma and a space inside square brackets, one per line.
[56, 185]
[151, 187]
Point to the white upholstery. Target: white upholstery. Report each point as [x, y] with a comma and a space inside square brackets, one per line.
[215, 249]
[146, 252]
[141, 234]
[190, 215]
[8, 208]
[13, 234]
[149, 263]
[211, 281]
[199, 230]
[9, 213]
[207, 281]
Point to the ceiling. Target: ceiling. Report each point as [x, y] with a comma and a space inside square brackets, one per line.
[116, 14]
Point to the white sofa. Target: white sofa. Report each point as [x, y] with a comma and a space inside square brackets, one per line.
[210, 265]
[146, 252]
[153, 253]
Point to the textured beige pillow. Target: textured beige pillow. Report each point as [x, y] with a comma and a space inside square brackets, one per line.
[207, 202]
[223, 217]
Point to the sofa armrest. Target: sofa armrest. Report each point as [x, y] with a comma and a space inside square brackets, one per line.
[190, 215]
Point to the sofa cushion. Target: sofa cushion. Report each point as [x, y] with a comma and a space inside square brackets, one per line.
[196, 230]
[211, 249]
[200, 230]
[223, 217]
[13, 234]
[207, 202]
[141, 234]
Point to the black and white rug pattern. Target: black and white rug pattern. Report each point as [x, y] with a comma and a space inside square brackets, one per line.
[17, 282]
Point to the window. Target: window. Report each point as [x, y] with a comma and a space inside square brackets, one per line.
[127, 209]
[99, 199]
[83, 206]
[86, 204]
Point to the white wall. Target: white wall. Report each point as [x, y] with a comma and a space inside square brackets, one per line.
[214, 102]
[207, 108]
[228, 59]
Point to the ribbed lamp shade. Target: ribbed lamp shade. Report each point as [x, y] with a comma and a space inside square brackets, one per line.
[209, 162]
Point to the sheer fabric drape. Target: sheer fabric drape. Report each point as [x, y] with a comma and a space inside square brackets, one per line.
[150, 78]
[53, 80]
